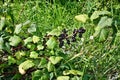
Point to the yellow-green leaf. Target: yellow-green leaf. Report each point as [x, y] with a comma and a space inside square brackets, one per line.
[54, 60]
[82, 18]
[35, 39]
[63, 78]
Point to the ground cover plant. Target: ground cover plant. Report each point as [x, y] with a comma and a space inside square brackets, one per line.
[59, 40]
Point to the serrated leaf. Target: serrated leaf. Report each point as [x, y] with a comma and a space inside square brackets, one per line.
[25, 65]
[33, 54]
[50, 66]
[104, 21]
[54, 60]
[35, 39]
[73, 72]
[14, 40]
[1, 43]
[32, 28]
[18, 28]
[29, 39]
[51, 43]
[2, 23]
[96, 14]
[82, 18]
[63, 78]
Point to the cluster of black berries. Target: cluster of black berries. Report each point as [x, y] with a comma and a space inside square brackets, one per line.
[79, 31]
[64, 35]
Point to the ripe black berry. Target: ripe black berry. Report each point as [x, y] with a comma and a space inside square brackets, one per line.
[64, 31]
[61, 44]
[81, 30]
[73, 39]
[68, 41]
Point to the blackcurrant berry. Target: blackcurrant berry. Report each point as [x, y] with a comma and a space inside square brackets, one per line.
[68, 41]
[80, 35]
[61, 44]
[64, 31]
[73, 39]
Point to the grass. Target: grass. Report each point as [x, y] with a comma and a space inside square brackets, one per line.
[96, 59]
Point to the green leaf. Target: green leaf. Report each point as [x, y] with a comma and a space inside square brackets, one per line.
[33, 54]
[50, 66]
[104, 21]
[27, 23]
[63, 78]
[11, 60]
[51, 43]
[15, 40]
[19, 54]
[25, 65]
[40, 47]
[32, 28]
[2, 23]
[1, 43]
[103, 35]
[96, 14]
[82, 18]
[36, 75]
[35, 39]
[18, 28]
[73, 72]
[43, 63]
[29, 39]
[54, 60]
[55, 32]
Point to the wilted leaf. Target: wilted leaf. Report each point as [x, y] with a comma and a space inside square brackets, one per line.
[63, 78]
[32, 28]
[96, 14]
[14, 40]
[25, 65]
[55, 60]
[18, 28]
[73, 72]
[51, 43]
[33, 54]
[82, 18]
[2, 23]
